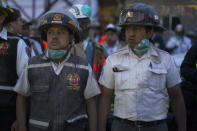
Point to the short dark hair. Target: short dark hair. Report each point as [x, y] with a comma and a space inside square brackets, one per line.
[13, 16]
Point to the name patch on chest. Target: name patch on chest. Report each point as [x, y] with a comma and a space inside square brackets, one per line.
[73, 80]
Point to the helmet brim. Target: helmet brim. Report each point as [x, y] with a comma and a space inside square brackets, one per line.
[156, 27]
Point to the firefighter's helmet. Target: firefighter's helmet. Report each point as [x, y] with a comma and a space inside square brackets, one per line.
[140, 14]
[59, 17]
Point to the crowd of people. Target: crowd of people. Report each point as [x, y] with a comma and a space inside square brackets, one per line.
[76, 79]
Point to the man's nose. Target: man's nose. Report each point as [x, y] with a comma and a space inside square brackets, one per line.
[131, 33]
[55, 34]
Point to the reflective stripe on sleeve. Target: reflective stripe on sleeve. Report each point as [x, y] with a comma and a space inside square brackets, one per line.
[9, 88]
[77, 118]
[39, 123]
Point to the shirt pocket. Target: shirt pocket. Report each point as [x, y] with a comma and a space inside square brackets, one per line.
[40, 93]
[156, 79]
[121, 80]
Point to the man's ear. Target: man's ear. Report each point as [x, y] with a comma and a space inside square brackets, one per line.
[150, 33]
[9, 27]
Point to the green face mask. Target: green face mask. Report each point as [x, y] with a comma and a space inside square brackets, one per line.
[56, 54]
[142, 47]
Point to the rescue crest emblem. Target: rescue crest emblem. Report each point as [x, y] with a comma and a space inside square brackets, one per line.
[73, 80]
[3, 48]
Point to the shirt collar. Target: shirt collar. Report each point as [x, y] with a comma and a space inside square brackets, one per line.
[151, 52]
[3, 34]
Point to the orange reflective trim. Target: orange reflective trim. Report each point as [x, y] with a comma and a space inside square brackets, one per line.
[102, 61]
[45, 44]
[95, 68]
[102, 39]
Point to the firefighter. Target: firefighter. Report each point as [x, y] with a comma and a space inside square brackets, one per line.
[61, 85]
[141, 77]
[14, 54]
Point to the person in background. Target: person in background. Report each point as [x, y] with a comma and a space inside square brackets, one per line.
[94, 33]
[142, 77]
[88, 48]
[112, 43]
[14, 54]
[179, 43]
[14, 25]
[35, 45]
[62, 85]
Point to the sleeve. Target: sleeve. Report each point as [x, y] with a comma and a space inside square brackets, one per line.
[171, 43]
[22, 86]
[23, 55]
[92, 88]
[189, 65]
[173, 76]
[107, 77]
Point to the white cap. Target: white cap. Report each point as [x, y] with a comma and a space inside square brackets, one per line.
[111, 27]
[81, 11]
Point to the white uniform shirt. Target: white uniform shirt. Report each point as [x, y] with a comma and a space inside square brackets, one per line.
[140, 83]
[183, 44]
[22, 52]
[91, 90]
[112, 49]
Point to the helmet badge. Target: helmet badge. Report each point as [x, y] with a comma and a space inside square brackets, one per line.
[57, 17]
[129, 14]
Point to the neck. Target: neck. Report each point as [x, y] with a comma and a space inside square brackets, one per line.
[59, 61]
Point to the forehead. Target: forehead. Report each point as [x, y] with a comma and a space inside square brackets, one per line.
[135, 27]
[57, 27]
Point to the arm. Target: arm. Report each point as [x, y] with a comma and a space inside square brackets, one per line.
[171, 45]
[21, 112]
[104, 107]
[92, 114]
[22, 56]
[178, 106]
[14, 126]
